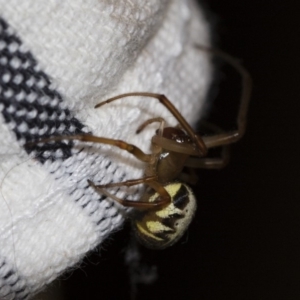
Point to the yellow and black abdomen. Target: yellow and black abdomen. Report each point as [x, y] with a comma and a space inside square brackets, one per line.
[158, 229]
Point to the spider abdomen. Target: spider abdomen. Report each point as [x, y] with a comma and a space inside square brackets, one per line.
[158, 229]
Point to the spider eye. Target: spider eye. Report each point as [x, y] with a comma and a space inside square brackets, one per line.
[176, 134]
[162, 228]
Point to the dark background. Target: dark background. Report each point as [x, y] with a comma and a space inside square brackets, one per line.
[244, 241]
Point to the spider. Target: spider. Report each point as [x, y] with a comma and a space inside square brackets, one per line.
[168, 205]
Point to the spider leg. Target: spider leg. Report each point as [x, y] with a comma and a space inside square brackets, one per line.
[156, 148]
[135, 151]
[232, 136]
[163, 200]
[150, 121]
[201, 148]
[128, 183]
[209, 163]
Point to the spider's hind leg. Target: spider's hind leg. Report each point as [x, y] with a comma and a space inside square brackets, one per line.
[163, 200]
[128, 183]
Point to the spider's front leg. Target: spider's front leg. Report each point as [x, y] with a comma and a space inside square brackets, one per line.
[134, 150]
[201, 148]
[150, 121]
[230, 137]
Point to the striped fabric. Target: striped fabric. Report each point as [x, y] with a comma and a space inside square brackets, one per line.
[57, 60]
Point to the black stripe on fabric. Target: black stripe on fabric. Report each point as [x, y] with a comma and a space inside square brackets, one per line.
[29, 105]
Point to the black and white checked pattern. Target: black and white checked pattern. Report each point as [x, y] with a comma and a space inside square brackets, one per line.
[28, 104]
[32, 109]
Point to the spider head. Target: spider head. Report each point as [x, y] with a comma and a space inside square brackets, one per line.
[177, 135]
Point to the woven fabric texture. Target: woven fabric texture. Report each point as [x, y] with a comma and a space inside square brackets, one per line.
[57, 60]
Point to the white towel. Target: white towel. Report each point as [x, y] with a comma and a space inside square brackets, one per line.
[57, 60]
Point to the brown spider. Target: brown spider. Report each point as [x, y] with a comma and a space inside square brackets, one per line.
[165, 212]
